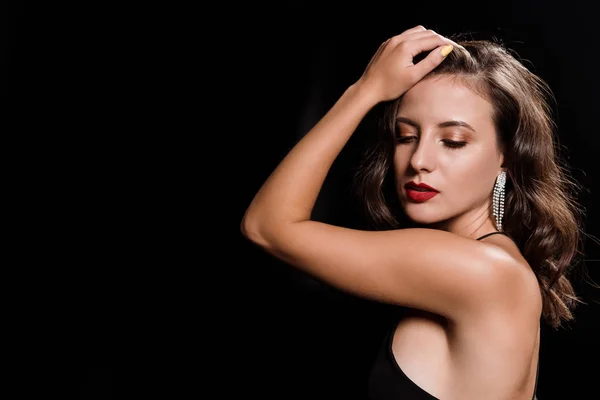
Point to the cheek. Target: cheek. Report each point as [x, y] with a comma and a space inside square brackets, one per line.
[401, 160]
[474, 172]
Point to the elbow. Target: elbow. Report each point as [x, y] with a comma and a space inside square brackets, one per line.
[250, 229]
[265, 233]
[246, 227]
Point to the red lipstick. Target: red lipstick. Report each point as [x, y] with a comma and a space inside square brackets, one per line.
[419, 192]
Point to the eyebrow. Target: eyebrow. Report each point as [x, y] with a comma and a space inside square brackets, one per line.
[445, 124]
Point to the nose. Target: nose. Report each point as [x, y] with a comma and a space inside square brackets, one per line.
[423, 158]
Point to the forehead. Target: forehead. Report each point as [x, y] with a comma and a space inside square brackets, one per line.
[442, 98]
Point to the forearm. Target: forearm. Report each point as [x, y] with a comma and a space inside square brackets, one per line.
[290, 192]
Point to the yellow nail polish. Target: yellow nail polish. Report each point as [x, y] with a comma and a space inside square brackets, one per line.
[447, 49]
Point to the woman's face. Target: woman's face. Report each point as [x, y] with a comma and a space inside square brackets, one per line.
[447, 140]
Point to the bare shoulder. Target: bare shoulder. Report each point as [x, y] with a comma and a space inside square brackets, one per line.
[516, 280]
[498, 344]
[427, 269]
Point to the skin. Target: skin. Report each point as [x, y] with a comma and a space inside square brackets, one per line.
[429, 154]
[475, 330]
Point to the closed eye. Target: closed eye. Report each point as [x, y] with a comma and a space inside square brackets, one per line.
[451, 144]
[454, 145]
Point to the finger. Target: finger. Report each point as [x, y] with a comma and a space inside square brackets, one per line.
[426, 43]
[395, 40]
[419, 35]
[428, 32]
[432, 60]
[418, 28]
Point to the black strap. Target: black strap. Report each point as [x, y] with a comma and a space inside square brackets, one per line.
[492, 233]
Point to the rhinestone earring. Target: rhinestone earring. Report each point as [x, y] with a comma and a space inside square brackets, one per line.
[498, 199]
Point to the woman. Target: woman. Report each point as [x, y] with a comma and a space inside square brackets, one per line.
[492, 227]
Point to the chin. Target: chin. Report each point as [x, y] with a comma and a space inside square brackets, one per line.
[421, 214]
[423, 222]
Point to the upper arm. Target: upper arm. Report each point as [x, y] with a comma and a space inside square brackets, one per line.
[428, 269]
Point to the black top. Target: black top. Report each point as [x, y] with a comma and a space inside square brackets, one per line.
[387, 381]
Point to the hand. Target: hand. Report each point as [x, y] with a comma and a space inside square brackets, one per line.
[391, 71]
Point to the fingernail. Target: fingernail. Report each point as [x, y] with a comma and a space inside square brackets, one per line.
[447, 49]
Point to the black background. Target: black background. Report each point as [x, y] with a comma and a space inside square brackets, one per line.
[165, 122]
[312, 341]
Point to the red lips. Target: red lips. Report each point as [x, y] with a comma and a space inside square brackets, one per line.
[420, 185]
[419, 196]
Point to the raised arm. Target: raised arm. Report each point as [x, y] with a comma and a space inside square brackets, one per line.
[409, 267]
[289, 194]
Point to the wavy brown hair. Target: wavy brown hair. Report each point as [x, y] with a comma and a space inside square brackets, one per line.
[541, 214]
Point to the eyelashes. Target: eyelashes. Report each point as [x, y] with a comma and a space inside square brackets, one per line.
[450, 144]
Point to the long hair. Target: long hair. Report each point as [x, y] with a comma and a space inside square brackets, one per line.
[541, 214]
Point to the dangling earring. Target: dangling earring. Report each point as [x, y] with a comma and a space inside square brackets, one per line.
[498, 199]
